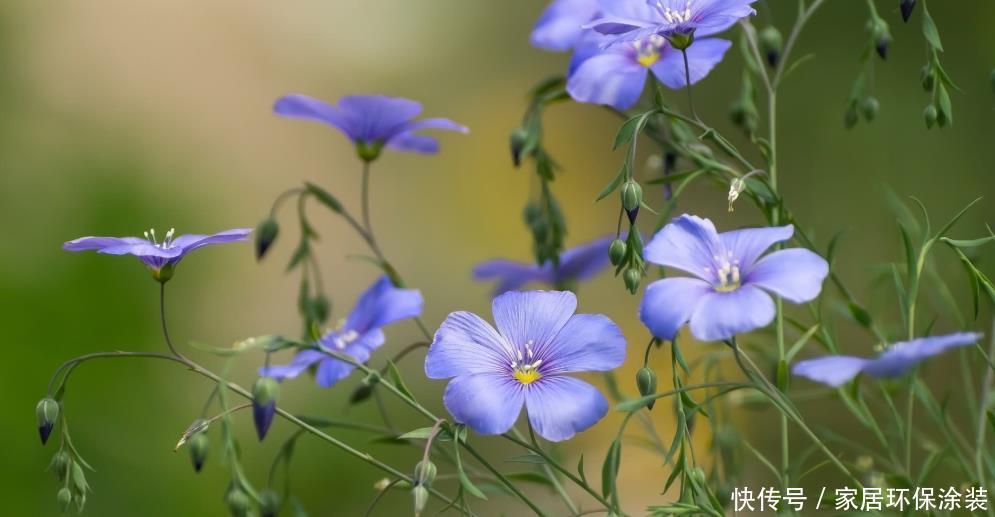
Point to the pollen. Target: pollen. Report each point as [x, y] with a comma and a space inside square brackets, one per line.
[527, 375]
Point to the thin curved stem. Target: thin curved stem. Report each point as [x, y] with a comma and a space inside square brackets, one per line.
[162, 318]
[687, 84]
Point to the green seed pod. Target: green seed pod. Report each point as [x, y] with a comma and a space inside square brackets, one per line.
[239, 504]
[927, 78]
[632, 277]
[65, 499]
[266, 234]
[199, 444]
[929, 115]
[616, 252]
[420, 494]
[425, 473]
[47, 412]
[646, 382]
[632, 196]
[269, 503]
[771, 43]
[869, 107]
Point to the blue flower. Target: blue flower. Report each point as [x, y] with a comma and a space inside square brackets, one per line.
[635, 20]
[576, 264]
[727, 294]
[836, 370]
[160, 256]
[526, 362]
[371, 121]
[559, 27]
[358, 336]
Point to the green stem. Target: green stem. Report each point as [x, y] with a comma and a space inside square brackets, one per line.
[504, 480]
[560, 468]
[549, 472]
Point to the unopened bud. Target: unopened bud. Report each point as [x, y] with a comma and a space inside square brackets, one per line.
[199, 445]
[47, 412]
[869, 107]
[646, 382]
[382, 484]
[420, 494]
[906, 7]
[881, 36]
[65, 499]
[519, 136]
[264, 394]
[632, 195]
[927, 78]
[59, 465]
[772, 44]
[239, 504]
[632, 277]
[929, 115]
[424, 473]
[269, 503]
[266, 234]
[616, 252]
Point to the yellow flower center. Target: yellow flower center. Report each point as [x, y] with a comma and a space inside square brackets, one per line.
[526, 368]
[527, 375]
[728, 273]
[648, 50]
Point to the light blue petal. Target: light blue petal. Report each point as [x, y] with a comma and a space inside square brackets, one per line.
[487, 403]
[720, 316]
[533, 317]
[613, 78]
[688, 243]
[901, 357]
[795, 274]
[464, 344]
[748, 244]
[511, 275]
[587, 343]
[703, 55]
[669, 303]
[301, 362]
[833, 370]
[382, 304]
[559, 26]
[561, 406]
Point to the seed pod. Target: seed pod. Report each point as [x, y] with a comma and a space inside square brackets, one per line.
[266, 234]
[65, 499]
[616, 252]
[420, 494]
[927, 78]
[869, 107]
[632, 277]
[47, 412]
[929, 115]
[239, 504]
[850, 118]
[646, 382]
[59, 465]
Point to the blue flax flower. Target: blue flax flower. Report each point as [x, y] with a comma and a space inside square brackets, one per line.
[670, 18]
[526, 361]
[579, 263]
[836, 370]
[358, 336]
[371, 121]
[161, 256]
[726, 296]
[560, 26]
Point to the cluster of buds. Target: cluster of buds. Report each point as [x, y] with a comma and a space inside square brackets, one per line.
[627, 257]
[424, 475]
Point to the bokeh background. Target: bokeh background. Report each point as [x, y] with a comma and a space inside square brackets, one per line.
[117, 116]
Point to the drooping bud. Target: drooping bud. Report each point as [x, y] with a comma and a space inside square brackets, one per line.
[906, 7]
[616, 252]
[646, 382]
[929, 115]
[199, 445]
[264, 394]
[239, 504]
[517, 140]
[266, 234]
[632, 195]
[681, 40]
[424, 473]
[881, 36]
[772, 44]
[927, 78]
[269, 503]
[65, 499]
[47, 412]
[869, 107]
[632, 276]
[60, 465]
[420, 494]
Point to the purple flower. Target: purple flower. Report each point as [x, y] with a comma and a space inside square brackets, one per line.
[538, 341]
[635, 20]
[615, 76]
[559, 27]
[727, 294]
[160, 256]
[358, 336]
[836, 370]
[576, 264]
[371, 121]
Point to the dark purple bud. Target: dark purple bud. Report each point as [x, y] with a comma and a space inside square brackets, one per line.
[632, 214]
[772, 44]
[264, 394]
[47, 412]
[907, 6]
[882, 47]
[265, 236]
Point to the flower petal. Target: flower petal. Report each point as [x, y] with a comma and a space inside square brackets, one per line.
[302, 106]
[382, 304]
[535, 316]
[688, 243]
[302, 361]
[378, 118]
[584, 261]
[413, 143]
[587, 343]
[748, 244]
[715, 16]
[900, 357]
[668, 304]
[191, 242]
[611, 77]
[487, 403]
[559, 26]
[833, 370]
[511, 275]
[795, 274]
[465, 343]
[703, 55]
[721, 316]
[561, 406]
[332, 370]
[96, 243]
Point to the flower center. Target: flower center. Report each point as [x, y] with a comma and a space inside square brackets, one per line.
[166, 243]
[675, 16]
[526, 367]
[727, 272]
[648, 50]
[343, 339]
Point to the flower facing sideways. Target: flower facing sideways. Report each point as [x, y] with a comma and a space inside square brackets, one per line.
[358, 336]
[726, 296]
[371, 121]
[672, 19]
[526, 361]
[161, 256]
[895, 361]
[559, 27]
[579, 263]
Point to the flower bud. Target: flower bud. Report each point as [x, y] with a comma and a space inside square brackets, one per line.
[199, 445]
[59, 465]
[929, 115]
[632, 195]
[266, 234]
[632, 277]
[869, 107]
[771, 43]
[65, 498]
[269, 503]
[681, 40]
[264, 394]
[906, 7]
[239, 504]
[881, 37]
[927, 78]
[616, 252]
[424, 473]
[517, 140]
[382, 484]
[47, 412]
[646, 382]
[420, 494]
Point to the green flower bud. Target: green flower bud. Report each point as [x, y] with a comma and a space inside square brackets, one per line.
[65, 499]
[420, 494]
[199, 445]
[632, 196]
[266, 234]
[269, 503]
[771, 43]
[616, 252]
[646, 382]
[47, 412]
[59, 465]
[425, 473]
[869, 107]
[519, 137]
[632, 277]
[929, 115]
[881, 37]
[239, 504]
[927, 78]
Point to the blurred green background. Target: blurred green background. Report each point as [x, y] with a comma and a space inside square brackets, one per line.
[117, 116]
